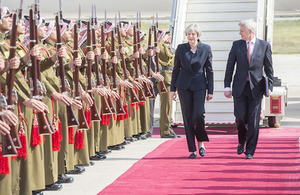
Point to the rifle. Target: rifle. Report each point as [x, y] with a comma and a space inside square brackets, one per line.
[141, 94]
[71, 118]
[104, 103]
[149, 62]
[8, 147]
[133, 96]
[94, 111]
[44, 126]
[10, 83]
[111, 105]
[163, 88]
[81, 115]
[120, 109]
[41, 86]
[140, 60]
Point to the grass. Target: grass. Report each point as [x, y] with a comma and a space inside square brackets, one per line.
[286, 37]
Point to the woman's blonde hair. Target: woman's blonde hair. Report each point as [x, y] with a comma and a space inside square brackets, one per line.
[193, 27]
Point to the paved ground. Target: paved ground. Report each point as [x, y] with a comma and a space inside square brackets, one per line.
[105, 172]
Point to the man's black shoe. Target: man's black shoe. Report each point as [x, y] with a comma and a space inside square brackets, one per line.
[98, 157]
[53, 187]
[63, 178]
[148, 134]
[168, 136]
[173, 133]
[116, 147]
[131, 139]
[240, 149]
[125, 142]
[249, 156]
[138, 136]
[77, 170]
[37, 192]
[143, 136]
[104, 152]
[193, 155]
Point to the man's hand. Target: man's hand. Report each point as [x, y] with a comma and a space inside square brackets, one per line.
[14, 63]
[77, 61]
[115, 95]
[173, 95]
[209, 97]
[2, 64]
[141, 50]
[4, 128]
[104, 56]
[158, 76]
[122, 50]
[97, 52]
[77, 104]
[150, 52]
[90, 55]
[36, 105]
[137, 85]
[156, 49]
[87, 98]
[64, 99]
[9, 117]
[114, 60]
[136, 55]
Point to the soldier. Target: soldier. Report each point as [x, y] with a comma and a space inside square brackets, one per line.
[166, 60]
[95, 126]
[80, 156]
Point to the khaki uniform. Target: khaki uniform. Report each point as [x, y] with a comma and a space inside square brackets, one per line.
[79, 156]
[30, 179]
[116, 134]
[52, 84]
[133, 112]
[166, 59]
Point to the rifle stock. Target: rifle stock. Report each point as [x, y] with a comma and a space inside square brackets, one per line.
[71, 118]
[8, 147]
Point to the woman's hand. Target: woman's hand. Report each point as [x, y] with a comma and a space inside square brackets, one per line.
[173, 95]
[209, 97]
[227, 94]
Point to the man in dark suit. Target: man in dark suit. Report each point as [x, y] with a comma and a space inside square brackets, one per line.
[252, 57]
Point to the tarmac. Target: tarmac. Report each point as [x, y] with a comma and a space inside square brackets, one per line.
[103, 173]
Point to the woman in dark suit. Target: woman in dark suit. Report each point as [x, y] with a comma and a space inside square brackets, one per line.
[192, 77]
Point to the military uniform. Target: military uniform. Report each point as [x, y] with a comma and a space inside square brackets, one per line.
[166, 60]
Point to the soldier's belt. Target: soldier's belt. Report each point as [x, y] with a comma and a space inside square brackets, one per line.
[166, 68]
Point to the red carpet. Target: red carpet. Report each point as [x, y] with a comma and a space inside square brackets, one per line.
[275, 168]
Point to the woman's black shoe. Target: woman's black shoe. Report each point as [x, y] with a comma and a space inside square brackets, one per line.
[193, 155]
[202, 151]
